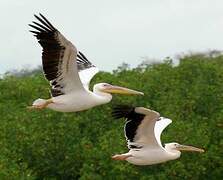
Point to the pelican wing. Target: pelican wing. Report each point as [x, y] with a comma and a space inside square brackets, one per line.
[140, 126]
[86, 69]
[58, 58]
[159, 127]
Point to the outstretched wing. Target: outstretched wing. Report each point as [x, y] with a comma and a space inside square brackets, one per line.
[58, 58]
[140, 125]
[159, 127]
[86, 69]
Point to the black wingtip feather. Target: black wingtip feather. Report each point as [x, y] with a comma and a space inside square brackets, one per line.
[45, 22]
[36, 28]
[83, 55]
[34, 32]
[122, 111]
[133, 119]
[40, 25]
[82, 62]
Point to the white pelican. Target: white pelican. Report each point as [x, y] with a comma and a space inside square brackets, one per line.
[142, 131]
[69, 73]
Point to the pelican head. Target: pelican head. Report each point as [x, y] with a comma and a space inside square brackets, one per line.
[108, 88]
[178, 147]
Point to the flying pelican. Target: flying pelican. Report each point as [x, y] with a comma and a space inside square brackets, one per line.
[69, 73]
[143, 129]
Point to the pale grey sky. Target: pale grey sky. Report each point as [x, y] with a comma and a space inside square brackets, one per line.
[110, 32]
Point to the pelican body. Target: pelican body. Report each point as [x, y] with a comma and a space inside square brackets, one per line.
[148, 156]
[142, 131]
[79, 101]
[69, 73]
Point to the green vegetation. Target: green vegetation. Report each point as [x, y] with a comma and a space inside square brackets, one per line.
[52, 145]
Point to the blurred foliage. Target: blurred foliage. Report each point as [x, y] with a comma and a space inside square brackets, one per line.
[53, 145]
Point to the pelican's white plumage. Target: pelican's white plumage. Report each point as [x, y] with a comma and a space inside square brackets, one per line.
[143, 130]
[69, 73]
[160, 125]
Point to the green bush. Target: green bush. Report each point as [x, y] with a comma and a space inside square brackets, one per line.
[52, 145]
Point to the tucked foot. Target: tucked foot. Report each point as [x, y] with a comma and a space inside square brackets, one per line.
[121, 157]
[40, 104]
[36, 107]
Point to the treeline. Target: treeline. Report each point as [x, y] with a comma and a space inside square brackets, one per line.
[52, 145]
